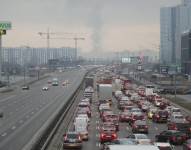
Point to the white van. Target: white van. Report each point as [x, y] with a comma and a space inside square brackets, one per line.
[81, 127]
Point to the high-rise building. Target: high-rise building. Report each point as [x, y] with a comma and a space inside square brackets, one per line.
[173, 22]
[186, 52]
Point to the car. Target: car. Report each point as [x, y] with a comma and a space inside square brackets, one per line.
[72, 140]
[112, 118]
[119, 141]
[188, 118]
[125, 116]
[175, 110]
[132, 147]
[151, 112]
[184, 127]
[160, 116]
[107, 134]
[178, 118]
[45, 88]
[171, 136]
[25, 87]
[49, 82]
[140, 126]
[164, 146]
[140, 139]
[187, 145]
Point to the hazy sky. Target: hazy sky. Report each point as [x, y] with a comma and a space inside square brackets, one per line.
[106, 24]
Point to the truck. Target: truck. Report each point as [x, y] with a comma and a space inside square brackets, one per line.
[116, 85]
[105, 91]
[149, 90]
[81, 127]
[89, 81]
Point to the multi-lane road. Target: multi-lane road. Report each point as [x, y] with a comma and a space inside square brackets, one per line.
[25, 111]
[124, 129]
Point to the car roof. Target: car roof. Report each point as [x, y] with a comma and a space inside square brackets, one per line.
[133, 147]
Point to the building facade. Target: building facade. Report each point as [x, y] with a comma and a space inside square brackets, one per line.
[173, 22]
[186, 52]
[37, 56]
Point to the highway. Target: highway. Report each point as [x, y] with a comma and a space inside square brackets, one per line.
[25, 111]
[124, 128]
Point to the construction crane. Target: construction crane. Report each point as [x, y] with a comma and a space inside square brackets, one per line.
[48, 34]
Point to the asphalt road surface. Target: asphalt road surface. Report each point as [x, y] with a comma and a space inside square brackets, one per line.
[25, 111]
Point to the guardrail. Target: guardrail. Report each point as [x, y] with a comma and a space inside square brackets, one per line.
[43, 137]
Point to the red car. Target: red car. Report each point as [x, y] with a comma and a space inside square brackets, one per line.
[125, 116]
[112, 118]
[187, 145]
[140, 126]
[160, 116]
[107, 134]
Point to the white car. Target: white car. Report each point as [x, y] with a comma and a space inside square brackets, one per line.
[45, 88]
[177, 118]
[141, 139]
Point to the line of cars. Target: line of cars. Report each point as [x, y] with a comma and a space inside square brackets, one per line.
[78, 133]
[54, 82]
[136, 108]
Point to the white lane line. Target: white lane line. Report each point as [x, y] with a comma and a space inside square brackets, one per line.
[4, 134]
[13, 128]
[2, 100]
[32, 112]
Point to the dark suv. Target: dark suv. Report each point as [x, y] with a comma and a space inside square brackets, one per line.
[72, 140]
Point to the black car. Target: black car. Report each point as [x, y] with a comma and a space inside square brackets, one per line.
[72, 140]
[171, 136]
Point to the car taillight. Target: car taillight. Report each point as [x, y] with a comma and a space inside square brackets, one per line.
[157, 116]
[65, 138]
[173, 138]
[79, 138]
[102, 135]
[114, 136]
[146, 127]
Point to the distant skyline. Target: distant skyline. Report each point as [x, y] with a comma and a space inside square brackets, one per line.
[112, 25]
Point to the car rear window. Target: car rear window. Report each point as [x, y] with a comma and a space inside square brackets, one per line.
[72, 136]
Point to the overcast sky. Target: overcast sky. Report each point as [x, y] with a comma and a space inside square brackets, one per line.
[112, 25]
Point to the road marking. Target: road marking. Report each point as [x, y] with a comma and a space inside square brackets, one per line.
[32, 112]
[7, 98]
[4, 134]
[13, 128]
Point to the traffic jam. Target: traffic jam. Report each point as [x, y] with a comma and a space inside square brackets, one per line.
[128, 116]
